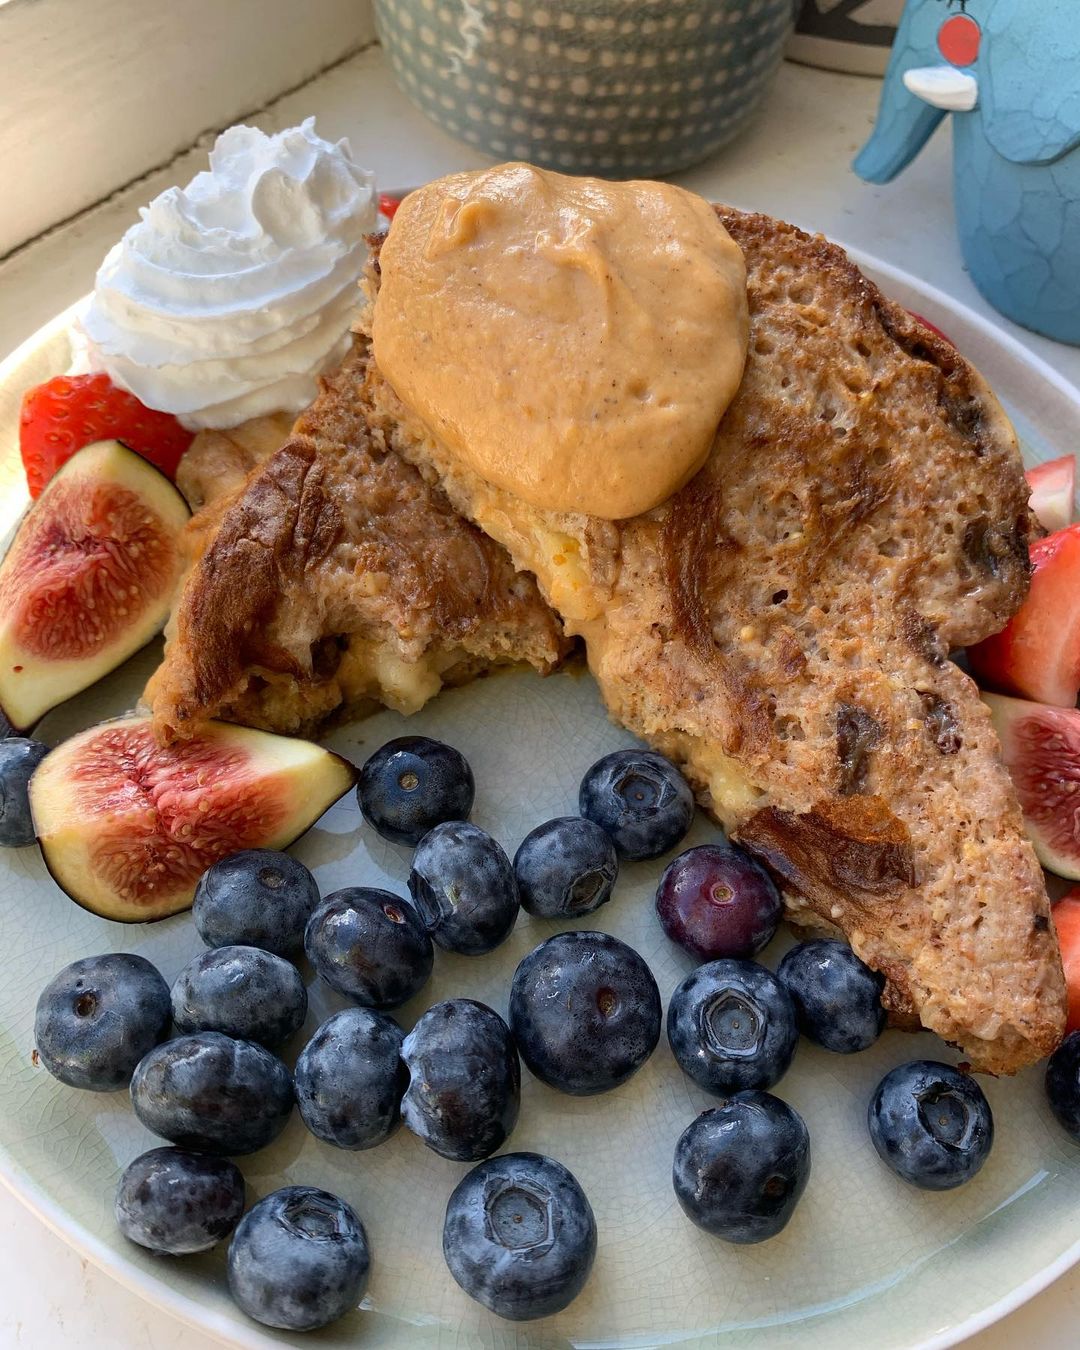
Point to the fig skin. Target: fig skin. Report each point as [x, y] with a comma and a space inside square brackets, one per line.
[240, 789]
[98, 553]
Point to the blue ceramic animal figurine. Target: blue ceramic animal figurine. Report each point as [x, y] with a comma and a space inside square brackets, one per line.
[1009, 72]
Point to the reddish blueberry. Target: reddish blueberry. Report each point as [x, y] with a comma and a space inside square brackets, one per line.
[716, 902]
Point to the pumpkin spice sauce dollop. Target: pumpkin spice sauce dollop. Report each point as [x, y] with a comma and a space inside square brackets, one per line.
[573, 341]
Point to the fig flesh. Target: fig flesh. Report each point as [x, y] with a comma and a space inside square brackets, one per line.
[1041, 748]
[127, 826]
[88, 578]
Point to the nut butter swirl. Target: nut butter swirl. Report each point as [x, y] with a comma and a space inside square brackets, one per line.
[573, 341]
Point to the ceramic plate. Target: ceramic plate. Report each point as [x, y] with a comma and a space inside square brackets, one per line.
[866, 1259]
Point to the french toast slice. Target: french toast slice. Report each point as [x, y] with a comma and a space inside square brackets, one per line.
[781, 629]
[326, 577]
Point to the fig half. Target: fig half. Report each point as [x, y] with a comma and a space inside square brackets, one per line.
[88, 578]
[127, 826]
[1041, 748]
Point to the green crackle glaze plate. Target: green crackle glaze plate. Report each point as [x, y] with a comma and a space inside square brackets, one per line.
[865, 1261]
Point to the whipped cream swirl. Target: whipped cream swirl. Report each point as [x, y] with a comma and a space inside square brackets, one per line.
[230, 296]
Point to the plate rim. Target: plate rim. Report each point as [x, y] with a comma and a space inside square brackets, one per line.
[154, 1288]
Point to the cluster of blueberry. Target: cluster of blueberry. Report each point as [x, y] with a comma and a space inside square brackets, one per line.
[584, 1013]
[519, 1232]
[300, 1257]
[733, 1027]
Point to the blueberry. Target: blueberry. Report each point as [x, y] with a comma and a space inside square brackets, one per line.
[244, 992]
[931, 1124]
[350, 1077]
[519, 1236]
[585, 1012]
[565, 868]
[176, 1202]
[299, 1259]
[463, 888]
[740, 1168]
[640, 799]
[212, 1093]
[411, 784]
[731, 1026]
[837, 997]
[715, 901]
[258, 898]
[464, 1080]
[370, 946]
[98, 1017]
[1063, 1084]
[19, 758]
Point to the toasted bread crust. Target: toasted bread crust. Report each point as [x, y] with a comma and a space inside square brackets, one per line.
[781, 628]
[330, 577]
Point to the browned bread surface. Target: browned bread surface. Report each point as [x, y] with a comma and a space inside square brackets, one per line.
[219, 461]
[781, 628]
[327, 573]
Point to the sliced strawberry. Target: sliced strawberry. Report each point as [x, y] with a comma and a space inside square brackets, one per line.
[933, 328]
[1038, 654]
[1053, 487]
[1067, 922]
[388, 205]
[66, 413]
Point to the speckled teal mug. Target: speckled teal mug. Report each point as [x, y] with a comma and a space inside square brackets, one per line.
[612, 87]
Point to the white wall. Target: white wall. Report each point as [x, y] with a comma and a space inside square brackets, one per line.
[95, 92]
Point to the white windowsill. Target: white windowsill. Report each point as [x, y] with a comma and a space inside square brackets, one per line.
[95, 94]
